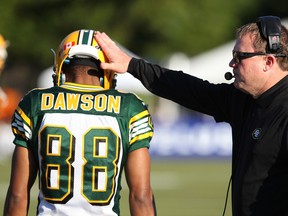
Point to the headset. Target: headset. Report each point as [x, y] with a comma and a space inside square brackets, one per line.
[270, 29]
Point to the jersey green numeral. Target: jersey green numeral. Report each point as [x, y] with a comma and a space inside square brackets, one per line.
[100, 155]
[101, 163]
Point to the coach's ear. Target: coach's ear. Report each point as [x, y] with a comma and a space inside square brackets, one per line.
[269, 62]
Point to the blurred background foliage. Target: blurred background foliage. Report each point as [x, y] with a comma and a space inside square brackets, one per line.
[151, 29]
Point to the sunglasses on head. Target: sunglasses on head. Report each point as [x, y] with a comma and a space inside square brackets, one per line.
[238, 56]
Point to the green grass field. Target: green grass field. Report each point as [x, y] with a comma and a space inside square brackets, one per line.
[181, 187]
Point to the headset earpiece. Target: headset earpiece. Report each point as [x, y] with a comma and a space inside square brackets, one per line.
[270, 28]
[114, 83]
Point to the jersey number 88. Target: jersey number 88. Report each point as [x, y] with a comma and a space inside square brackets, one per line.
[100, 153]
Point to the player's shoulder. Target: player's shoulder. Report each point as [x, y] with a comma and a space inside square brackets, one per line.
[126, 94]
[42, 90]
[35, 94]
[130, 98]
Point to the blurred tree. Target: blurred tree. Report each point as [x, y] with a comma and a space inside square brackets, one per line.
[151, 29]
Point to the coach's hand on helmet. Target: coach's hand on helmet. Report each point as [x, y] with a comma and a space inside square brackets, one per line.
[118, 59]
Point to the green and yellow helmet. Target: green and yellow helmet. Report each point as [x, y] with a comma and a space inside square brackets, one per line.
[81, 44]
[3, 51]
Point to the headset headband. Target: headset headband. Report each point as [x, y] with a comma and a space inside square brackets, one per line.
[270, 28]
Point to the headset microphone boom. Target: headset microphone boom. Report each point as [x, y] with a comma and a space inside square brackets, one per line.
[228, 76]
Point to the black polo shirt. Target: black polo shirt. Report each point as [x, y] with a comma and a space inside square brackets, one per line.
[259, 131]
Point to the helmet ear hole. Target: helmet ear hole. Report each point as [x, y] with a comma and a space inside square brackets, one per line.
[62, 78]
[60, 81]
[102, 81]
[114, 83]
[55, 79]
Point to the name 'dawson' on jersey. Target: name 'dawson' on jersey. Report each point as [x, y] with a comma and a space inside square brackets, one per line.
[86, 102]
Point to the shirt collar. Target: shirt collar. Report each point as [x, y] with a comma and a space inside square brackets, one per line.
[273, 93]
[81, 87]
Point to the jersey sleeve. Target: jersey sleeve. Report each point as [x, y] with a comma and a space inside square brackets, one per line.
[141, 127]
[22, 122]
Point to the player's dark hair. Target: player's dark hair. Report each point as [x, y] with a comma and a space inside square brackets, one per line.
[89, 65]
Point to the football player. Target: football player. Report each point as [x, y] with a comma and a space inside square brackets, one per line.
[79, 136]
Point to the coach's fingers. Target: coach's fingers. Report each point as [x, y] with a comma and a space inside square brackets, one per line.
[107, 45]
[118, 60]
[104, 40]
[109, 66]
